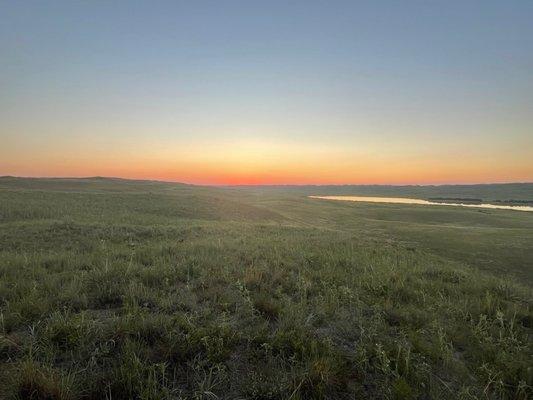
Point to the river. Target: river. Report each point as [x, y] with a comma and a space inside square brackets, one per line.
[402, 200]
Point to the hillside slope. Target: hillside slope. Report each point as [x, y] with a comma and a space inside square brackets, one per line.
[143, 290]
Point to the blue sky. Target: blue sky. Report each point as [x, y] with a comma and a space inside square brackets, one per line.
[384, 82]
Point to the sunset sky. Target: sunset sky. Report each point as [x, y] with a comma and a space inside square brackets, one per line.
[268, 92]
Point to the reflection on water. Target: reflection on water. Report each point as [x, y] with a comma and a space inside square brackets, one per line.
[401, 200]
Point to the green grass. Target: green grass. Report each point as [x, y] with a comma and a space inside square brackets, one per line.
[116, 289]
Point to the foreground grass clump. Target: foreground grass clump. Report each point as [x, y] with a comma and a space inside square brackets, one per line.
[232, 306]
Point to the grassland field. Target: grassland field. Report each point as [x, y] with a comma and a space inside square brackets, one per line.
[117, 289]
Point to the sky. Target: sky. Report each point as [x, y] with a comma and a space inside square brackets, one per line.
[268, 92]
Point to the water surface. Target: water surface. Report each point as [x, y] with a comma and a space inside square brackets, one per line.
[402, 200]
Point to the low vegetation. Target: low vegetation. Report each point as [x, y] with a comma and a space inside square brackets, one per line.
[143, 290]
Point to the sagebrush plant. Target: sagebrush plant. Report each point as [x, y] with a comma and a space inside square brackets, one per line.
[173, 292]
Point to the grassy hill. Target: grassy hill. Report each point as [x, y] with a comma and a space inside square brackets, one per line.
[149, 290]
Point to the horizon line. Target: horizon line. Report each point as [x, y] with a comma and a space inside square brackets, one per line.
[265, 184]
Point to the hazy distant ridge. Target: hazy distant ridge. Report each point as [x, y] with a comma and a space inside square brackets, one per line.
[484, 192]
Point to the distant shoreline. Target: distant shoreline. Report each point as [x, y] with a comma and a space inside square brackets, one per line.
[404, 200]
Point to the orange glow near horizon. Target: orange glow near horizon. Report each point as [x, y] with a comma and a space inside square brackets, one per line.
[336, 169]
[264, 162]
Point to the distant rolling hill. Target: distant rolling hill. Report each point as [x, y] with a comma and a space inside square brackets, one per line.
[83, 184]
